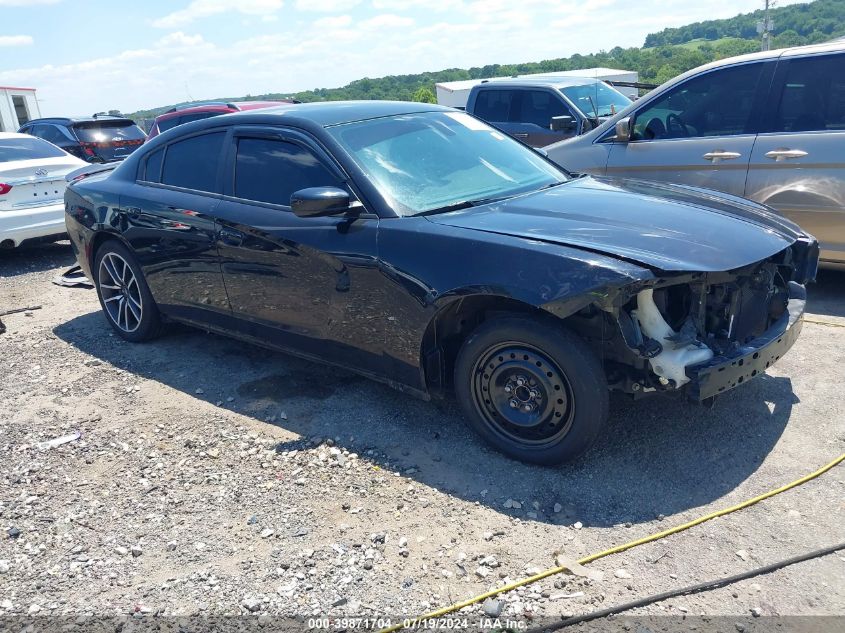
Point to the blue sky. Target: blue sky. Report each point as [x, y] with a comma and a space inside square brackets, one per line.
[90, 55]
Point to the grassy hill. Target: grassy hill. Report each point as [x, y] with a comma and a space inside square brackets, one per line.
[794, 25]
[665, 55]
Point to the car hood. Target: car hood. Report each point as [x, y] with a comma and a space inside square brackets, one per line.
[668, 227]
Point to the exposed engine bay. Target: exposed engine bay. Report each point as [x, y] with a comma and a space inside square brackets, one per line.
[680, 328]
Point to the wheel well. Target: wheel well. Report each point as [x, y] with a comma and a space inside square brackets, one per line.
[452, 325]
[100, 238]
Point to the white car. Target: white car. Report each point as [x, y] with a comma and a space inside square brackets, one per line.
[32, 188]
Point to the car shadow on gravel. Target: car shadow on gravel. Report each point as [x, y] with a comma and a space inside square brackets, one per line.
[827, 295]
[658, 456]
[35, 258]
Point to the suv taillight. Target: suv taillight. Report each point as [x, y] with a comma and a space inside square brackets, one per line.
[4, 188]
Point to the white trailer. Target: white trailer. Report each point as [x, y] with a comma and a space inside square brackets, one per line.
[456, 93]
[17, 106]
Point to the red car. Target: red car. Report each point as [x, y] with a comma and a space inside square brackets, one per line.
[186, 114]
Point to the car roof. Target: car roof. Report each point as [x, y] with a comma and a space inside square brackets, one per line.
[78, 119]
[327, 113]
[546, 82]
[234, 106]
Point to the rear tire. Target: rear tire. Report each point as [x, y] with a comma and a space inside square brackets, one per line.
[124, 295]
[532, 389]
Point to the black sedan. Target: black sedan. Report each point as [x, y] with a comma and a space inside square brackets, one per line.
[420, 247]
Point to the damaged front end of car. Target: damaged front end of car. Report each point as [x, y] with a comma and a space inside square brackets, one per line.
[702, 333]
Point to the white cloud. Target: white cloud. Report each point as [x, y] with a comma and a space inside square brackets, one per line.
[204, 8]
[326, 6]
[428, 5]
[179, 39]
[16, 40]
[333, 22]
[387, 21]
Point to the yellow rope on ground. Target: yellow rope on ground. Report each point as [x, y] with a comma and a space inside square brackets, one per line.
[818, 322]
[613, 550]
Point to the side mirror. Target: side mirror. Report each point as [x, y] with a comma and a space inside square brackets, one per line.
[623, 130]
[316, 202]
[563, 123]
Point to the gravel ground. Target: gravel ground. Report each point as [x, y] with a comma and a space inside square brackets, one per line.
[213, 477]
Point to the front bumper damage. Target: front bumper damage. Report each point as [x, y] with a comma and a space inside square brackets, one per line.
[703, 334]
[726, 371]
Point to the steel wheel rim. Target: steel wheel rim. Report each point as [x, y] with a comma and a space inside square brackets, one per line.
[522, 395]
[120, 292]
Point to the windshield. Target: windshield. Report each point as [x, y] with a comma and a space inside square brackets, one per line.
[432, 160]
[27, 149]
[597, 99]
[107, 131]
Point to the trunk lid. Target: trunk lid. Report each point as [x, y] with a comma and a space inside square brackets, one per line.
[36, 182]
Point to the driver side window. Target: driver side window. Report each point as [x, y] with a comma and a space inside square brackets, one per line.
[718, 103]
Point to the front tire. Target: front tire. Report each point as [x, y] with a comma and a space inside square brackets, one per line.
[124, 295]
[532, 389]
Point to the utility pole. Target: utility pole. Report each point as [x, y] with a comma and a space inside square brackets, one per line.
[765, 27]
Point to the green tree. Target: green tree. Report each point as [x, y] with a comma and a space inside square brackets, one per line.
[424, 94]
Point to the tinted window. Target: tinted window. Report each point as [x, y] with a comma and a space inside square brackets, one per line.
[813, 96]
[197, 116]
[718, 103]
[493, 105]
[166, 124]
[51, 133]
[270, 171]
[152, 169]
[27, 149]
[538, 107]
[192, 163]
[105, 131]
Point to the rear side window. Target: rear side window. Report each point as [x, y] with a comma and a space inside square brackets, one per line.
[813, 97]
[52, 133]
[197, 116]
[152, 166]
[166, 124]
[270, 171]
[494, 105]
[192, 163]
[538, 107]
[106, 131]
[718, 103]
[27, 149]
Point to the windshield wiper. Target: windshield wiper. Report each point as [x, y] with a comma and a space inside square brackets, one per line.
[466, 204]
[553, 184]
[463, 204]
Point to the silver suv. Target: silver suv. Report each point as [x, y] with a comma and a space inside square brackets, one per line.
[767, 126]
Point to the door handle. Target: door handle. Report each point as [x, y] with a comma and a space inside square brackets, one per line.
[718, 155]
[520, 135]
[230, 237]
[783, 154]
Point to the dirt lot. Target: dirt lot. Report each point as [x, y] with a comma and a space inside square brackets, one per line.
[214, 477]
